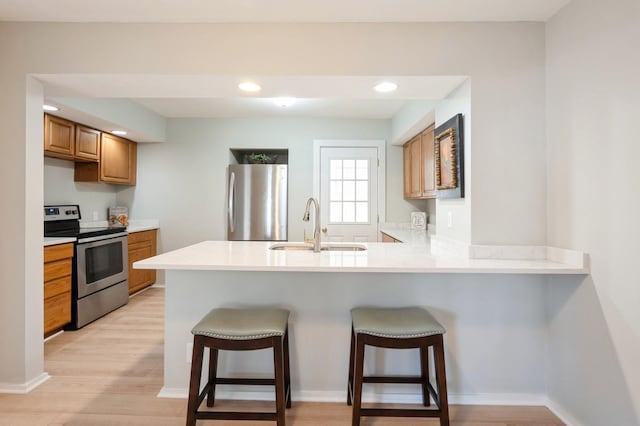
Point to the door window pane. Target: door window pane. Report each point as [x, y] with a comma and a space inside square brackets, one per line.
[335, 190]
[362, 169]
[335, 212]
[362, 212]
[362, 190]
[336, 169]
[349, 169]
[349, 190]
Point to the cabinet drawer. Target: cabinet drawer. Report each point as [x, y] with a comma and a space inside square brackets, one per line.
[57, 312]
[57, 269]
[57, 252]
[142, 236]
[56, 287]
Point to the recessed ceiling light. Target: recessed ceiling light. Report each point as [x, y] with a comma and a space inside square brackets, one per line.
[385, 87]
[50, 108]
[284, 102]
[249, 86]
[119, 132]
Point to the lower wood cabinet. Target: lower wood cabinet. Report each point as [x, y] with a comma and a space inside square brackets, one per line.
[57, 287]
[142, 245]
[386, 238]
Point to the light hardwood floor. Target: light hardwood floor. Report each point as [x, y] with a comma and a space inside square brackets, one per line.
[110, 372]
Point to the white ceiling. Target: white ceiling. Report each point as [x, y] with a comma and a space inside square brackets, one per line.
[278, 10]
[219, 96]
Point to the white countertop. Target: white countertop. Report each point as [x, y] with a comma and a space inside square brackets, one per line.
[379, 257]
[139, 225]
[52, 241]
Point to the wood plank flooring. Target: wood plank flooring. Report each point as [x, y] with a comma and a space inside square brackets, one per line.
[110, 372]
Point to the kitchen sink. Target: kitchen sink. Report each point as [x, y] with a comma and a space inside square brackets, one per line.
[323, 247]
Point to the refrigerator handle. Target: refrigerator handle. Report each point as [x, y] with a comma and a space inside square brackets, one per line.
[232, 196]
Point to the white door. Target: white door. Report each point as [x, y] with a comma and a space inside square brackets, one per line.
[349, 193]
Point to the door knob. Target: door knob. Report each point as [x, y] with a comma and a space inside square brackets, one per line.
[324, 230]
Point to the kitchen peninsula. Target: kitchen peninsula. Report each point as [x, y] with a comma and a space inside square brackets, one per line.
[494, 311]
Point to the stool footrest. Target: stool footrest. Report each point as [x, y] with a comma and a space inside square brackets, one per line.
[234, 415]
[399, 412]
[392, 379]
[244, 381]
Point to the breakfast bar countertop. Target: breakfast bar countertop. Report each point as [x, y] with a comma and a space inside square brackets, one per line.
[379, 257]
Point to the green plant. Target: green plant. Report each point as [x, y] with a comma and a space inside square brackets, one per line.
[261, 158]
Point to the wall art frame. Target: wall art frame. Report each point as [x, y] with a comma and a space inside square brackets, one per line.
[449, 158]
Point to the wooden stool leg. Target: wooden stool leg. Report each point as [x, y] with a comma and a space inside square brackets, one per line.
[194, 383]
[213, 373]
[424, 370]
[441, 379]
[287, 371]
[278, 362]
[357, 381]
[352, 354]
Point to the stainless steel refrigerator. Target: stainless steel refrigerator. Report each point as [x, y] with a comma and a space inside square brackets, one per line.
[257, 202]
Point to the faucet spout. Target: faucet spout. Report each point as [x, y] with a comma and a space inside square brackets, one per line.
[316, 222]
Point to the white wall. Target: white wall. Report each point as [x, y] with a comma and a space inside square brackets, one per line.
[183, 181]
[59, 188]
[593, 100]
[507, 93]
[458, 102]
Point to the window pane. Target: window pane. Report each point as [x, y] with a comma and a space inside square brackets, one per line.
[335, 190]
[362, 169]
[362, 190]
[335, 212]
[348, 212]
[362, 212]
[349, 190]
[336, 169]
[349, 168]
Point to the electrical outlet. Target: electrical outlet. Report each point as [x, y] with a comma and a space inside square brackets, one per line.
[189, 352]
[95, 215]
[450, 219]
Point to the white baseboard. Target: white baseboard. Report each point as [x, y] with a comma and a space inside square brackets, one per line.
[370, 397]
[24, 387]
[562, 414]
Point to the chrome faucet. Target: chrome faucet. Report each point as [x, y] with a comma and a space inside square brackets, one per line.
[316, 222]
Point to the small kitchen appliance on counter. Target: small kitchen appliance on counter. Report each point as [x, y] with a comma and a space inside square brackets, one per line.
[100, 264]
[418, 220]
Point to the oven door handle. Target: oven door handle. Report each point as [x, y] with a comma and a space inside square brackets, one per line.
[102, 237]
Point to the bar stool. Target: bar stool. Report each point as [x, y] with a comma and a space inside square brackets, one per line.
[397, 328]
[240, 330]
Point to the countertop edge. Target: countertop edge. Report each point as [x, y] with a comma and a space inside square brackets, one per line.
[54, 241]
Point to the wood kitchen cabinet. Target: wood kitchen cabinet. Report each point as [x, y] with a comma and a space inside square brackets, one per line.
[419, 166]
[117, 165]
[57, 287]
[142, 245]
[386, 238]
[59, 137]
[87, 146]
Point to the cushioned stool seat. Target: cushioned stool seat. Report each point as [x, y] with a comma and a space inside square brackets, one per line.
[397, 328]
[240, 330]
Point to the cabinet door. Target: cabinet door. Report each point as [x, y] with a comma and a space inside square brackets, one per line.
[59, 136]
[416, 166]
[117, 160]
[406, 170]
[87, 144]
[428, 164]
[139, 278]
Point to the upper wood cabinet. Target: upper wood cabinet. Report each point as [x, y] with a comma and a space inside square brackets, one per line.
[87, 143]
[70, 141]
[117, 164]
[59, 137]
[419, 166]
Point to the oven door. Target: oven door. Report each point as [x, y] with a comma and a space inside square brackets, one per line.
[101, 262]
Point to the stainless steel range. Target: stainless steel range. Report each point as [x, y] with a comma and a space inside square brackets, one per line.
[100, 268]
